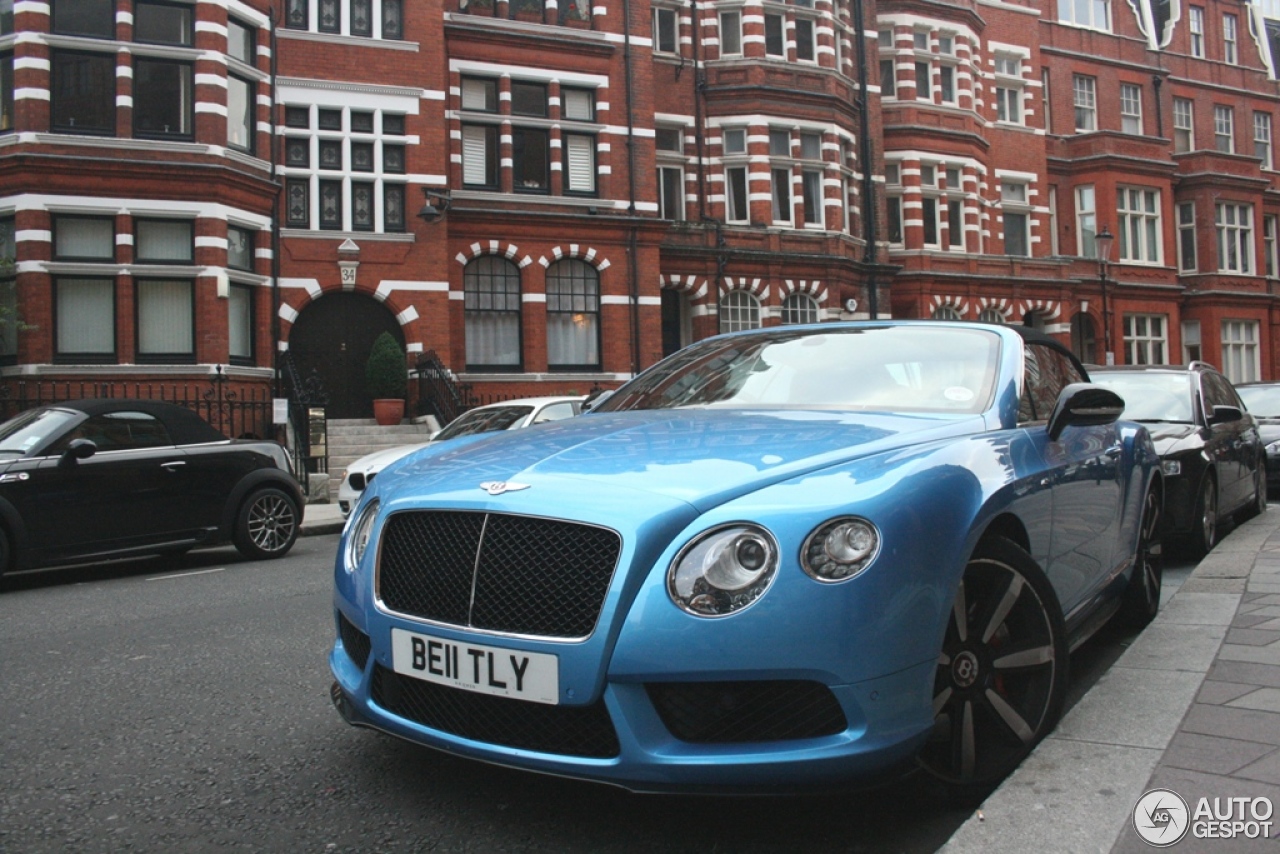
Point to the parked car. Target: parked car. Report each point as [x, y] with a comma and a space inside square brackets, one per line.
[1210, 449]
[1263, 402]
[507, 415]
[89, 480]
[797, 555]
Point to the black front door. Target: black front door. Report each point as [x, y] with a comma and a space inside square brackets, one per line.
[333, 337]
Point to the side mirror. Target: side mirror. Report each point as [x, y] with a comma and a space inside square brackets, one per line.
[1084, 405]
[78, 449]
[1226, 415]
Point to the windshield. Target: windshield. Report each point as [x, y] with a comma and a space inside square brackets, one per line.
[29, 430]
[1150, 395]
[485, 420]
[917, 368]
[1262, 400]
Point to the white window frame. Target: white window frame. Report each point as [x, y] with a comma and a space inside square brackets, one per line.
[1230, 39]
[1271, 262]
[1262, 139]
[1084, 93]
[1086, 221]
[1131, 108]
[1187, 250]
[1146, 339]
[730, 22]
[1094, 14]
[1195, 25]
[1233, 222]
[1184, 125]
[1018, 207]
[666, 21]
[1224, 129]
[739, 311]
[1241, 351]
[1138, 223]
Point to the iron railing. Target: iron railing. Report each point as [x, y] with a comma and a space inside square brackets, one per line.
[307, 420]
[439, 394]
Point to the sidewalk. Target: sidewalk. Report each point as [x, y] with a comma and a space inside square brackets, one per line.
[321, 519]
[1193, 706]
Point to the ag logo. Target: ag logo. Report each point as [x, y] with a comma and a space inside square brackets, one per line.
[1161, 817]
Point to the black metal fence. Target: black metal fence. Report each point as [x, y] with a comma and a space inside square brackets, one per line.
[439, 394]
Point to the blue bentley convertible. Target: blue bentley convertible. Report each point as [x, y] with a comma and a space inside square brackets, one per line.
[799, 555]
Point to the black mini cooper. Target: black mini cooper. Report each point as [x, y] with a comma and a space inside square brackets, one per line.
[98, 479]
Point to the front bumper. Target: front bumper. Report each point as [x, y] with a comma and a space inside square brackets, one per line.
[623, 738]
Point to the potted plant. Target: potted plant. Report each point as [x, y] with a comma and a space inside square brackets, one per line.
[387, 379]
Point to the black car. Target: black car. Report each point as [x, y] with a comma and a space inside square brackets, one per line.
[97, 479]
[1210, 449]
[1263, 400]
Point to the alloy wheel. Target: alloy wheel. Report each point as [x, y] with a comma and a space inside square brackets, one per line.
[271, 522]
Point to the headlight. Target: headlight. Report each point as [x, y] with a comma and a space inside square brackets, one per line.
[723, 571]
[1273, 448]
[1171, 467]
[840, 549]
[361, 528]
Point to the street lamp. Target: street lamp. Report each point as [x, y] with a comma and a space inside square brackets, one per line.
[435, 205]
[1102, 240]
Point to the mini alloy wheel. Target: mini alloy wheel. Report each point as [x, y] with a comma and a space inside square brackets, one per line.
[268, 524]
[1001, 676]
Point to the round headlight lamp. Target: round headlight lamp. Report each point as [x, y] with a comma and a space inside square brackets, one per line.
[723, 571]
[840, 549]
[361, 530]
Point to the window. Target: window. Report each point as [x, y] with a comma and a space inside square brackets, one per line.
[1262, 139]
[1229, 52]
[579, 163]
[1017, 214]
[1190, 341]
[93, 18]
[806, 40]
[1195, 23]
[480, 156]
[573, 316]
[162, 92]
[730, 33]
[947, 312]
[665, 30]
[1046, 373]
[84, 317]
[991, 315]
[893, 202]
[774, 43]
[1130, 108]
[162, 23]
[811, 173]
[739, 310]
[1084, 89]
[1235, 237]
[1138, 216]
[955, 224]
[1240, 355]
[780, 181]
[671, 192]
[1184, 138]
[240, 325]
[1009, 89]
[491, 311]
[241, 102]
[6, 92]
[1086, 222]
[1187, 237]
[242, 41]
[1085, 13]
[799, 308]
[77, 238]
[166, 320]
[358, 21]
[888, 78]
[1269, 245]
[83, 92]
[240, 248]
[164, 241]
[947, 83]
[1224, 133]
[923, 77]
[1145, 339]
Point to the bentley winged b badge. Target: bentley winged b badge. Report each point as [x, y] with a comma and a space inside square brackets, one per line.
[497, 487]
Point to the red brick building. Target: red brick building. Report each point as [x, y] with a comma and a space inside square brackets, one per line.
[551, 194]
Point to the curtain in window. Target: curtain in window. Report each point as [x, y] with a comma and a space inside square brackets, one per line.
[86, 316]
[491, 301]
[165, 241]
[84, 238]
[240, 323]
[240, 104]
[573, 314]
[164, 317]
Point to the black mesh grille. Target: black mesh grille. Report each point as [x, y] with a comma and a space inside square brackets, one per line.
[529, 576]
[354, 641]
[563, 730]
[727, 712]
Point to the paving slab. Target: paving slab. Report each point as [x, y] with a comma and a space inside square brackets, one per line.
[1217, 693]
[1153, 701]
[1194, 608]
[1266, 769]
[1244, 724]
[1256, 654]
[1213, 755]
[1262, 699]
[1192, 786]
[1175, 647]
[1246, 672]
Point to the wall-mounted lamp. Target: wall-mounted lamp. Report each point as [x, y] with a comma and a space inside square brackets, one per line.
[436, 204]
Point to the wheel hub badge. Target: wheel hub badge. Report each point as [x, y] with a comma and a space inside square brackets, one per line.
[964, 669]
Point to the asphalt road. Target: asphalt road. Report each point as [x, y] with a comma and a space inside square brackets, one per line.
[182, 705]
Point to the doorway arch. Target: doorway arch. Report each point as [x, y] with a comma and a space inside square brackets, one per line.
[333, 336]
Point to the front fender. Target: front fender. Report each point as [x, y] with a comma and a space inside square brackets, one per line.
[250, 482]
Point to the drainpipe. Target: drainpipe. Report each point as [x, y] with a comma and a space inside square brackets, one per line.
[633, 270]
[865, 153]
[275, 209]
[1157, 81]
[699, 117]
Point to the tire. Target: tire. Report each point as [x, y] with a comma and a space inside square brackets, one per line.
[1141, 600]
[6, 553]
[1258, 504]
[999, 691]
[1205, 537]
[267, 524]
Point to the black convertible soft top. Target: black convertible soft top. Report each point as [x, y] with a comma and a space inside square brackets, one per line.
[184, 425]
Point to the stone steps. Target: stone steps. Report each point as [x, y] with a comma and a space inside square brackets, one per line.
[349, 439]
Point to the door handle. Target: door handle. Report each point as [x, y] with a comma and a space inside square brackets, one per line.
[173, 466]
[1114, 451]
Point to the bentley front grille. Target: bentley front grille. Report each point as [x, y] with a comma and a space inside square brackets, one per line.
[503, 573]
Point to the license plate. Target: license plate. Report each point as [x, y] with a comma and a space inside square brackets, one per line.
[532, 676]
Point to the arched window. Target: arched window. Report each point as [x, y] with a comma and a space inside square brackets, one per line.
[739, 310]
[491, 307]
[799, 308]
[1084, 339]
[991, 315]
[946, 312]
[573, 316]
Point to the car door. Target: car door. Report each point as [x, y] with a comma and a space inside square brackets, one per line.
[1228, 443]
[213, 469]
[1084, 476]
[127, 494]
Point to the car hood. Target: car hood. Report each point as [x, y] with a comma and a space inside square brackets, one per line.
[699, 457]
[1269, 430]
[379, 460]
[1170, 438]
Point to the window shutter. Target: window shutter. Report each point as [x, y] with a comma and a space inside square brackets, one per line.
[475, 155]
[577, 105]
[581, 162]
[475, 95]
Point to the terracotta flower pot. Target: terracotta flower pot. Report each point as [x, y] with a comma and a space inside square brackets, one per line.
[388, 411]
